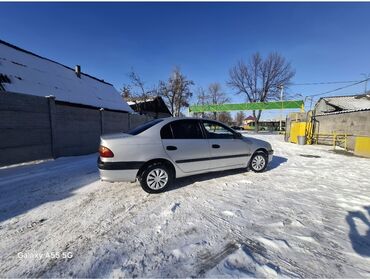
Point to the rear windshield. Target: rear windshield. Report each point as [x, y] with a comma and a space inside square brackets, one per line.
[143, 127]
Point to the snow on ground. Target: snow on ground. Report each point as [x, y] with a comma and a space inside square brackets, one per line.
[303, 217]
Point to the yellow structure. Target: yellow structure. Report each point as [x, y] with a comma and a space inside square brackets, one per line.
[297, 129]
[333, 139]
[362, 146]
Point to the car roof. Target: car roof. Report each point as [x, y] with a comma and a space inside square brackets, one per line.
[153, 131]
[170, 119]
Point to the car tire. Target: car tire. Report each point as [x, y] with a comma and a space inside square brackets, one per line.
[153, 177]
[258, 162]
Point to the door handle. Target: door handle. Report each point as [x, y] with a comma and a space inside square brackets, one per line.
[171, 147]
[216, 146]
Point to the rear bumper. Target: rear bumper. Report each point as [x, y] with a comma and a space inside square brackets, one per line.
[118, 171]
[118, 175]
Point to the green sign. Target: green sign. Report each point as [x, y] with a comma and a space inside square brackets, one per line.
[248, 106]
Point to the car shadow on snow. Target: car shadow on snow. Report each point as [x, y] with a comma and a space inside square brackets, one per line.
[185, 181]
[276, 162]
[28, 187]
[360, 242]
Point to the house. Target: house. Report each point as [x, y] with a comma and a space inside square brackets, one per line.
[264, 125]
[34, 127]
[247, 122]
[22, 71]
[154, 106]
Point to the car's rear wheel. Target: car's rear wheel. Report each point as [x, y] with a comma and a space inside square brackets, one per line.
[258, 162]
[156, 178]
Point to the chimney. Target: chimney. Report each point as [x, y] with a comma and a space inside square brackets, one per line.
[78, 71]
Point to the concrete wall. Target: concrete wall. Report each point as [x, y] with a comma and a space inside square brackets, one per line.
[77, 130]
[137, 119]
[24, 128]
[352, 123]
[113, 121]
[33, 128]
[156, 115]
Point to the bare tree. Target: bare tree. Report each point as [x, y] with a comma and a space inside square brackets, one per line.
[202, 99]
[126, 92]
[260, 79]
[136, 88]
[217, 96]
[176, 91]
[225, 117]
[239, 118]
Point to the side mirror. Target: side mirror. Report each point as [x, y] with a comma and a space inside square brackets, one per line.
[238, 135]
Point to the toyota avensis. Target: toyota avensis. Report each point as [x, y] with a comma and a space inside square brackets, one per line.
[161, 150]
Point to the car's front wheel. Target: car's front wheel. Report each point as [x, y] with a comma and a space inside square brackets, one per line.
[156, 178]
[258, 162]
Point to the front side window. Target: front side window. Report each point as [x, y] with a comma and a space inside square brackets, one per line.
[217, 131]
[186, 129]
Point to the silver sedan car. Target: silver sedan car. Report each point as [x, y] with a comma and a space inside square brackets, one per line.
[161, 150]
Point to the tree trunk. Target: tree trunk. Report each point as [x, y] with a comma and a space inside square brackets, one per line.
[172, 110]
[256, 120]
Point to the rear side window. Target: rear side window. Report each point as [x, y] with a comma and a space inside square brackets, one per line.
[166, 132]
[143, 127]
[186, 129]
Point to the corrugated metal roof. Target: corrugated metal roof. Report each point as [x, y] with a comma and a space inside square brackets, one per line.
[35, 75]
[343, 111]
[350, 102]
[343, 104]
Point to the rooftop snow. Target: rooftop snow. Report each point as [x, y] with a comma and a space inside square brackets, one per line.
[34, 75]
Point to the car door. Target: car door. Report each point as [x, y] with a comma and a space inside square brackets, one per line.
[227, 147]
[186, 145]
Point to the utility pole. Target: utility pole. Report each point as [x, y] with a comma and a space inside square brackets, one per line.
[311, 100]
[281, 87]
[367, 77]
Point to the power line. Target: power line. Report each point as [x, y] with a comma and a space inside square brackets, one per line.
[326, 82]
[337, 89]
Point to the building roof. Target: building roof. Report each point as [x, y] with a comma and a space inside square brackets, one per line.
[153, 104]
[250, 117]
[24, 72]
[343, 104]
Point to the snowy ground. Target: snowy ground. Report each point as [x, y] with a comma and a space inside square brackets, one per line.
[304, 217]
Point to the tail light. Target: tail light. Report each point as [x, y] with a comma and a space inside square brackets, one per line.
[105, 152]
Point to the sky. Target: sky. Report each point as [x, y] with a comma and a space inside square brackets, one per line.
[324, 42]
